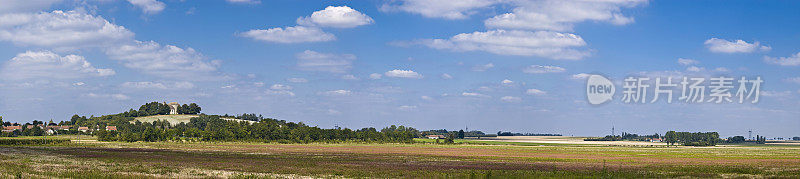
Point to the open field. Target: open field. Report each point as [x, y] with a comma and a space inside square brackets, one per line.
[176, 118]
[565, 140]
[92, 159]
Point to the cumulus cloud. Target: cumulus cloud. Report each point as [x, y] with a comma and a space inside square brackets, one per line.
[535, 92]
[445, 9]
[793, 60]
[511, 99]
[580, 76]
[375, 76]
[686, 61]
[59, 29]
[483, 67]
[736, 46]
[471, 94]
[543, 69]
[561, 15]
[507, 82]
[545, 44]
[324, 62]
[158, 85]
[336, 93]
[165, 60]
[349, 77]
[446, 76]
[48, 65]
[149, 6]
[407, 108]
[336, 16]
[403, 74]
[297, 80]
[13, 6]
[280, 87]
[557, 15]
[297, 34]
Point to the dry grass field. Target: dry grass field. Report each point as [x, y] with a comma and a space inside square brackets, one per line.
[483, 159]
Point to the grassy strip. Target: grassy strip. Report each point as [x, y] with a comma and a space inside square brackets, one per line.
[7, 141]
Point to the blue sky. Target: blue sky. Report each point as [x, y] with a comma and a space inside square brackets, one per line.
[490, 65]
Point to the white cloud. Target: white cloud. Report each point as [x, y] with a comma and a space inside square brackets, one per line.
[561, 15]
[13, 6]
[695, 69]
[165, 60]
[279, 92]
[470, 94]
[793, 60]
[511, 99]
[333, 112]
[721, 69]
[580, 76]
[427, 98]
[297, 34]
[446, 76]
[483, 67]
[59, 29]
[280, 87]
[349, 77]
[535, 92]
[403, 74]
[686, 61]
[108, 96]
[325, 62]
[336, 16]
[149, 6]
[297, 80]
[48, 65]
[507, 82]
[244, 1]
[375, 76]
[336, 93]
[737, 46]
[447, 9]
[545, 44]
[543, 69]
[158, 85]
[407, 108]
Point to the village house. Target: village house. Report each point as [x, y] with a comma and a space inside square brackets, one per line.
[111, 128]
[83, 129]
[11, 128]
[435, 136]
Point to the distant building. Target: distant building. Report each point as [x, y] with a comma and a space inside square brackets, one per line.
[83, 129]
[173, 107]
[111, 128]
[435, 136]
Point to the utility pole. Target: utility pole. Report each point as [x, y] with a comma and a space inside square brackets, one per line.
[612, 130]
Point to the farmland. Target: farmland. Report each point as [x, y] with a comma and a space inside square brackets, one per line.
[467, 158]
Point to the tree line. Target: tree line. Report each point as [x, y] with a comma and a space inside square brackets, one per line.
[214, 128]
[692, 139]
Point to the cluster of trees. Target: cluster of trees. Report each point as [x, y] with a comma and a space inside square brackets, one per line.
[736, 139]
[692, 139]
[460, 134]
[156, 108]
[214, 128]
